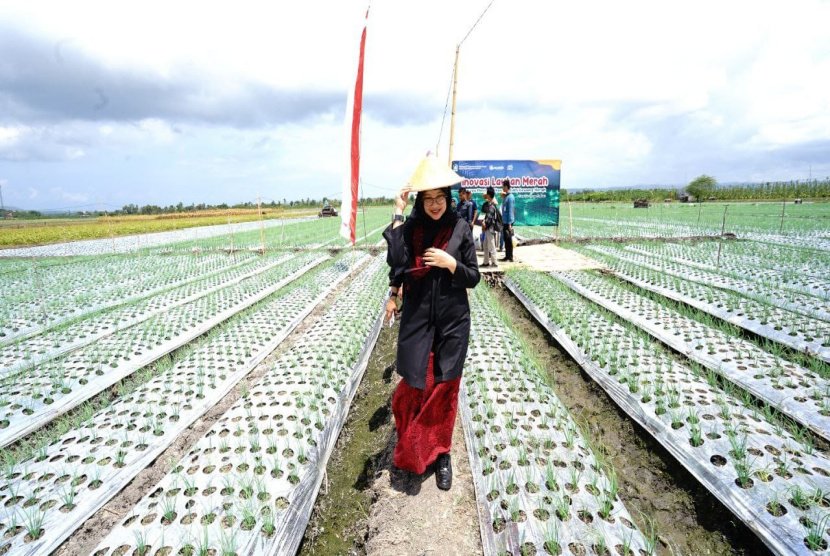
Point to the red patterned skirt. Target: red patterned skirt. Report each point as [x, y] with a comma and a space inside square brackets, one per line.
[424, 420]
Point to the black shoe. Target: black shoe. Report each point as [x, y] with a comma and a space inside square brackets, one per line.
[443, 472]
[505, 260]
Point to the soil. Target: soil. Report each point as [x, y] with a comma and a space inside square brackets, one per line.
[547, 257]
[338, 520]
[86, 538]
[653, 485]
[411, 515]
[373, 508]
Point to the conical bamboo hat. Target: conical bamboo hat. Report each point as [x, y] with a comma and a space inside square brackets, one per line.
[432, 173]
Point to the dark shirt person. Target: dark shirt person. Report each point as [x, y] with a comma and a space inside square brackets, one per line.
[473, 208]
[463, 207]
[508, 216]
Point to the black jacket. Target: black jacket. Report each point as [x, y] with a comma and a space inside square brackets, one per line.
[436, 311]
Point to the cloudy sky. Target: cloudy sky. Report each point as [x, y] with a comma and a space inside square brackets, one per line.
[107, 103]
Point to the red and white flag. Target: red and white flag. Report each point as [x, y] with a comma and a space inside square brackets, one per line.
[351, 180]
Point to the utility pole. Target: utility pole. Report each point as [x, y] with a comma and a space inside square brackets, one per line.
[2, 204]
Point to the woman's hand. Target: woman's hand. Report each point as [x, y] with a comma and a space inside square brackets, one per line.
[439, 258]
[402, 200]
[391, 309]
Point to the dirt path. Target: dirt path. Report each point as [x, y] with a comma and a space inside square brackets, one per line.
[544, 257]
[412, 516]
[368, 507]
[338, 521]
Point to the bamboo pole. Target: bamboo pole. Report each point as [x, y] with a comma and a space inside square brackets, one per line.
[454, 93]
[720, 239]
[783, 204]
[261, 226]
[570, 221]
[230, 228]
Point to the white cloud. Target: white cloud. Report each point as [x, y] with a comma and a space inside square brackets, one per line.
[73, 153]
[9, 135]
[631, 92]
[60, 194]
[157, 130]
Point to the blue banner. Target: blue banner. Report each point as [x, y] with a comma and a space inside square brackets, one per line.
[534, 184]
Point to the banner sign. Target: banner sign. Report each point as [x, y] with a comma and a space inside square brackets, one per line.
[534, 184]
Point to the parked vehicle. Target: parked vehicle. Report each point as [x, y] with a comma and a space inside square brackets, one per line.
[327, 210]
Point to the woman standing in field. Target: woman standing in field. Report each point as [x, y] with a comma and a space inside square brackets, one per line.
[432, 263]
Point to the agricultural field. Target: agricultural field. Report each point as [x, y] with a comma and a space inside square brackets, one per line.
[279, 233]
[24, 233]
[196, 393]
[804, 224]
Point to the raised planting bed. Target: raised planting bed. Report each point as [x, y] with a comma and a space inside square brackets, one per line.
[307, 234]
[40, 299]
[739, 260]
[817, 241]
[39, 348]
[249, 484]
[80, 471]
[804, 334]
[770, 477]
[539, 488]
[765, 292]
[33, 397]
[799, 393]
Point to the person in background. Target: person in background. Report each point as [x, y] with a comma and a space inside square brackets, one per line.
[501, 234]
[463, 207]
[473, 209]
[432, 258]
[489, 223]
[508, 217]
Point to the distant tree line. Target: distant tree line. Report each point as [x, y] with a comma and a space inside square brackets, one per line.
[28, 214]
[134, 209]
[775, 190]
[272, 204]
[704, 187]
